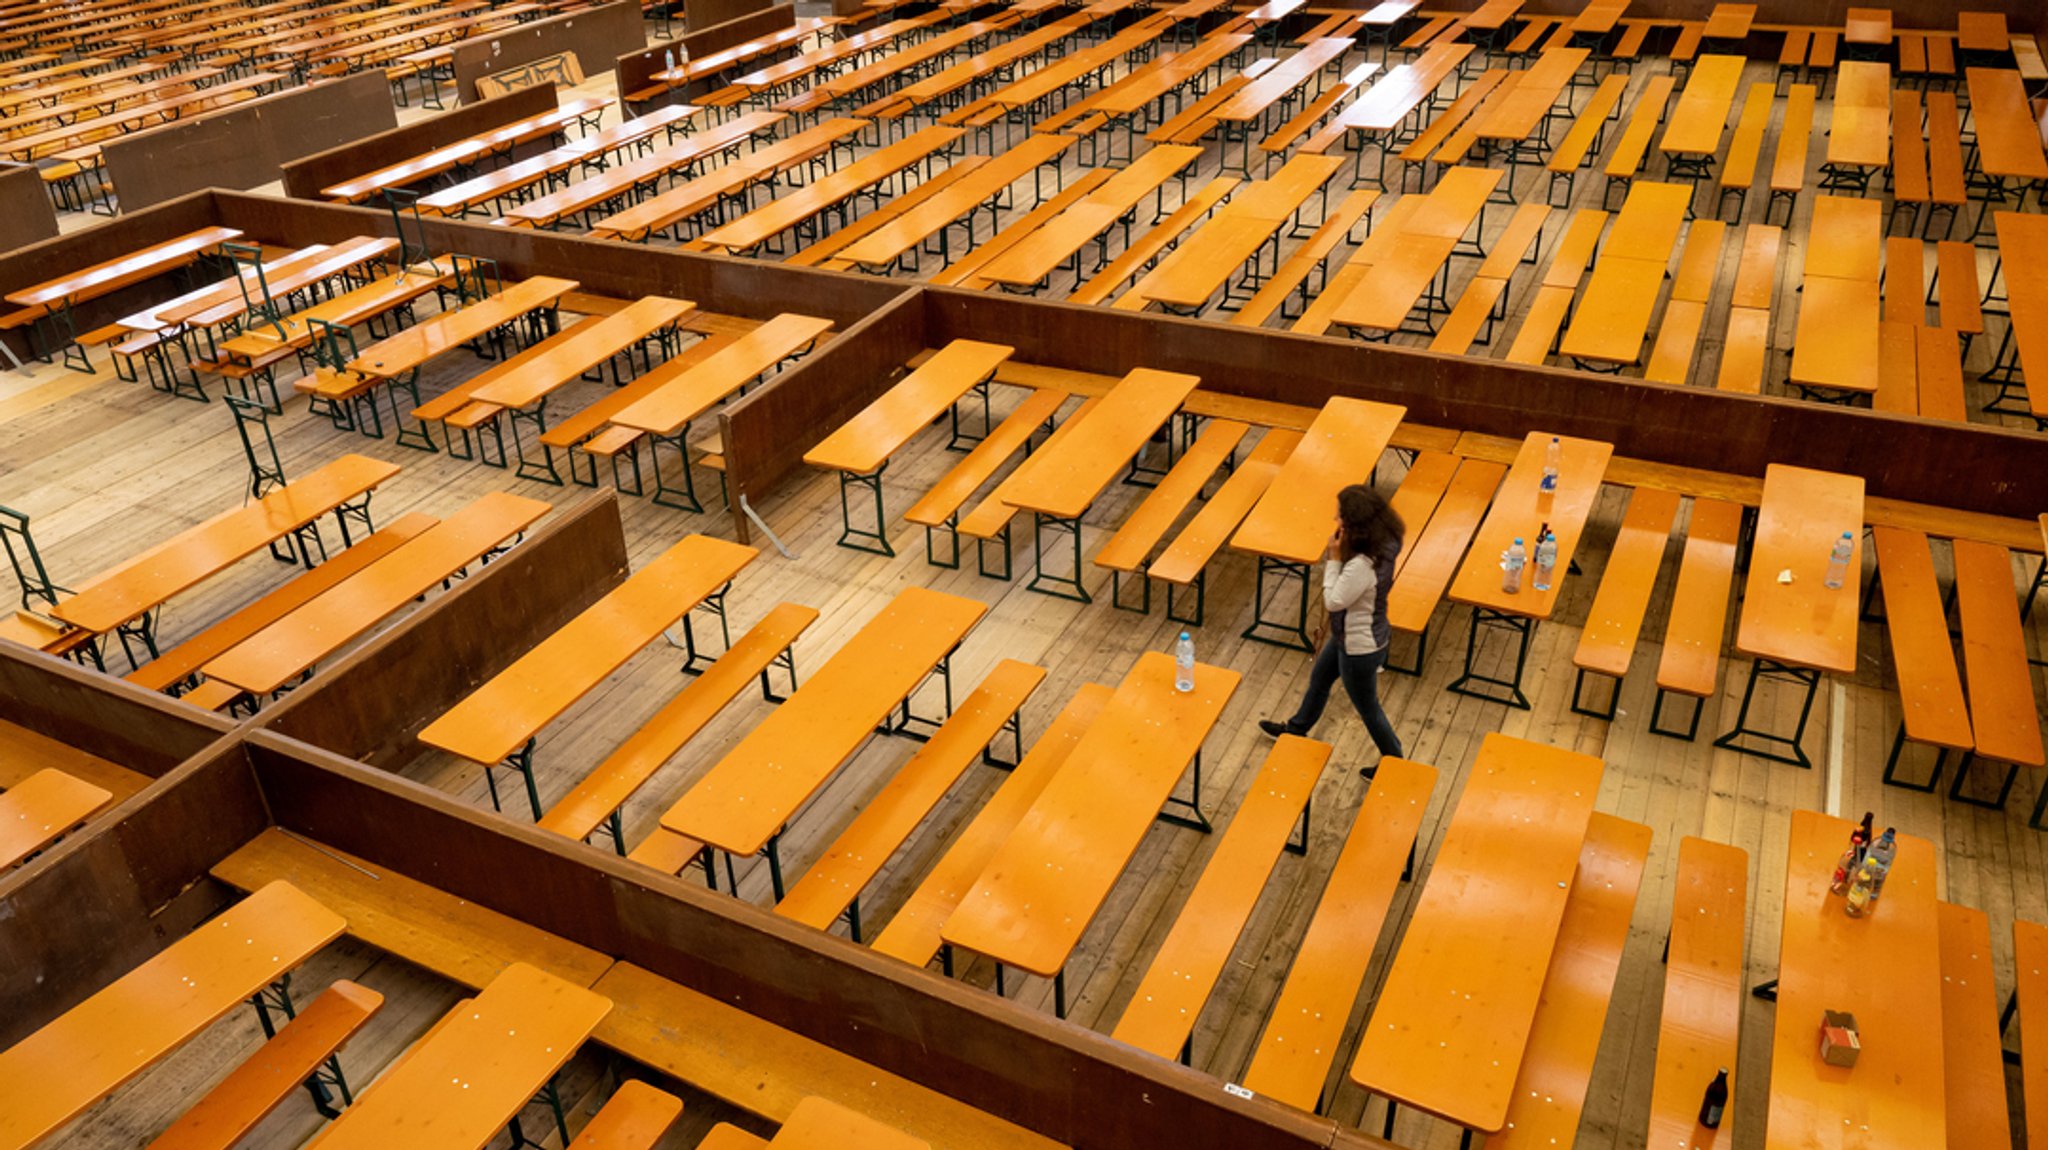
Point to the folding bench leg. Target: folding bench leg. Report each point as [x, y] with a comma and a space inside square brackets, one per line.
[1116, 591]
[553, 1098]
[1580, 707]
[1058, 586]
[1692, 729]
[1955, 789]
[1014, 727]
[875, 541]
[713, 604]
[520, 760]
[901, 723]
[1176, 596]
[1891, 765]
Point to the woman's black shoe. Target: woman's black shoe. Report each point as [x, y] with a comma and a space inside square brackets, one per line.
[1368, 772]
[1275, 729]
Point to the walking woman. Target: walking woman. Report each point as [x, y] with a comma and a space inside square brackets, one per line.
[1358, 569]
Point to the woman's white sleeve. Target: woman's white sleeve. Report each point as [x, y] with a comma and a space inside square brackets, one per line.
[1345, 585]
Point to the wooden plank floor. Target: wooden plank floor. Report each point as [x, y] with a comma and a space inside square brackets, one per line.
[106, 467]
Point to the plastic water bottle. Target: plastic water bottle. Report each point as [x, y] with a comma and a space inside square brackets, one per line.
[1882, 852]
[1838, 561]
[668, 60]
[1184, 663]
[1546, 559]
[1550, 465]
[1511, 567]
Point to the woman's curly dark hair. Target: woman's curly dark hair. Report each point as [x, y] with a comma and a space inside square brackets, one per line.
[1367, 523]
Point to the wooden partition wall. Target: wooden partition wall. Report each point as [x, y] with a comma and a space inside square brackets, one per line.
[305, 177]
[1916, 15]
[26, 214]
[594, 35]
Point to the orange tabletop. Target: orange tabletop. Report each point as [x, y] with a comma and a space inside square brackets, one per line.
[473, 1074]
[1860, 127]
[820, 1124]
[269, 659]
[1982, 32]
[409, 349]
[866, 441]
[743, 800]
[885, 244]
[1836, 342]
[1803, 622]
[510, 709]
[1493, 14]
[2008, 135]
[795, 205]
[1062, 479]
[1729, 21]
[1294, 519]
[1868, 26]
[1613, 316]
[1452, 1019]
[529, 377]
[1049, 878]
[1700, 117]
[134, 267]
[196, 555]
[1417, 251]
[1598, 17]
[1038, 254]
[1276, 83]
[1535, 93]
[1703, 995]
[690, 390]
[1648, 224]
[1519, 508]
[1384, 106]
[1885, 968]
[1846, 239]
[39, 809]
[2023, 244]
[80, 1057]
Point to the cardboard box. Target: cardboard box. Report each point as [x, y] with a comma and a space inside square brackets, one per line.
[1839, 1041]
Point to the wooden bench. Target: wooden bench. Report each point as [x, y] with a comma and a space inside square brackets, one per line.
[725, 1052]
[1583, 139]
[1746, 346]
[1552, 306]
[1302, 1036]
[1446, 27]
[634, 1119]
[990, 519]
[589, 432]
[1691, 662]
[595, 802]
[1281, 140]
[1745, 147]
[2030, 998]
[1947, 188]
[1795, 137]
[939, 509]
[1625, 163]
[1292, 277]
[1971, 1050]
[831, 888]
[1687, 46]
[1792, 54]
[1185, 561]
[259, 1085]
[726, 1136]
[1904, 281]
[1436, 541]
[181, 663]
[964, 272]
[41, 809]
[2004, 717]
[1698, 1029]
[1161, 1016]
[1908, 170]
[913, 934]
[1440, 129]
[1607, 644]
[840, 239]
[1671, 357]
[2026, 59]
[1126, 551]
[1959, 307]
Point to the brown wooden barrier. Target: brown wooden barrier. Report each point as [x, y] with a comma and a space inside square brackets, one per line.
[715, 25]
[825, 389]
[305, 177]
[1070, 1084]
[110, 896]
[247, 145]
[26, 214]
[101, 715]
[594, 35]
[370, 704]
[1918, 15]
[42, 261]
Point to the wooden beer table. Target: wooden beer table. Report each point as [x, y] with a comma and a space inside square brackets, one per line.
[1693, 131]
[1289, 528]
[1860, 127]
[1414, 267]
[1452, 1019]
[1835, 346]
[1983, 32]
[1869, 27]
[1519, 509]
[1061, 238]
[2010, 138]
[742, 802]
[1729, 22]
[1885, 968]
[1236, 237]
[56, 297]
[474, 1072]
[2023, 269]
[1048, 880]
[1251, 103]
[1059, 481]
[83, 1055]
[859, 450]
[1796, 631]
[190, 558]
[499, 721]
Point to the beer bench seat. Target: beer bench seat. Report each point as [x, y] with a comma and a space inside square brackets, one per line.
[634, 1118]
[1625, 163]
[303, 1048]
[1691, 662]
[939, 509]
[595, 802]
[1303, 1033]
[498, 723]
[1185, 562]
[1923, 656]
[590, 432]
[1160, 1017]
[1795, 138]
[2005, 720]
[727, 1053]
[831, 888]
[1126, 551]
[1699, 1025]
[913, 934]
[1437, 538]
[1608, 642]
[1574, 249]
[1291, 278]
[1973, 1062]
[1746, 348]
[41, 809]
[1745, 147]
